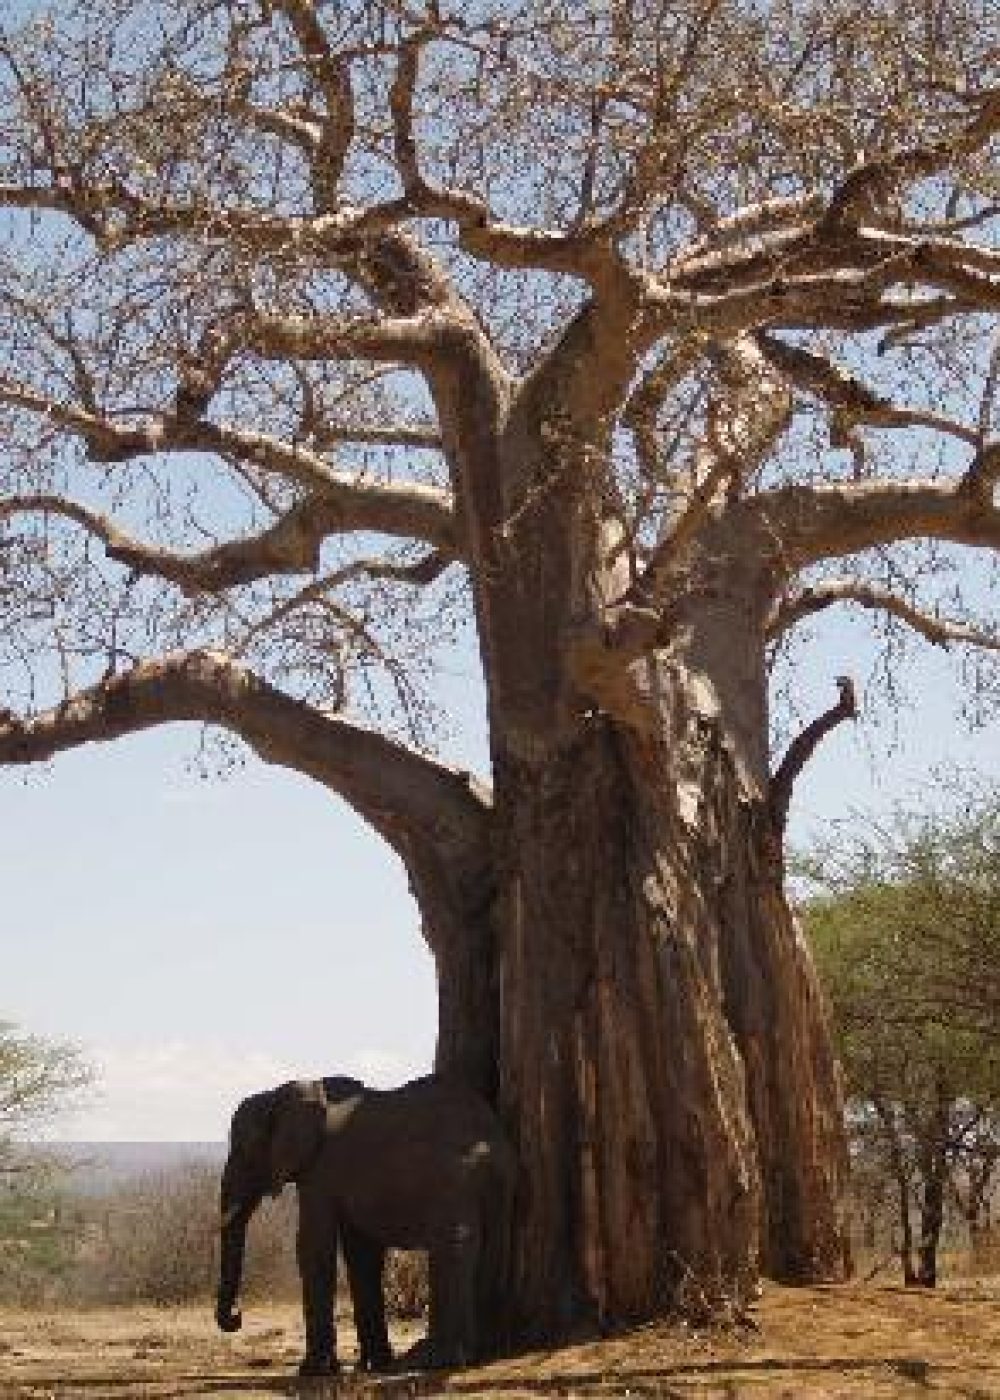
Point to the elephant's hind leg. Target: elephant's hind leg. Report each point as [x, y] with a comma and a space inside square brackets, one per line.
[452, 1332]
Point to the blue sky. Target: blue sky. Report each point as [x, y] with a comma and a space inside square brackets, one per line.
[201, 938]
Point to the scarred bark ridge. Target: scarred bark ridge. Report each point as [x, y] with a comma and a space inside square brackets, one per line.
[773, 1002]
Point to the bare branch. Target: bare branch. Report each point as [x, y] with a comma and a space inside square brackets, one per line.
[338, 502]
[418, 575]
[644, 403]
[808, 524]
[747, 416]
[331, 74]
[788, 214]
[580, 251]
[990, 385]
[848, 396]
[404, 795]
[872, 181]
[398, 339]
[802, 748]
[813, 598]
[379, 435]
[291, 546]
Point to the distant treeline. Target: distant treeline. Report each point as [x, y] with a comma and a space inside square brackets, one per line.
[102, 1168]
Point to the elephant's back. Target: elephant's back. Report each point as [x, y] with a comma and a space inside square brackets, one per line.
[434, 1124]
[444, 1109]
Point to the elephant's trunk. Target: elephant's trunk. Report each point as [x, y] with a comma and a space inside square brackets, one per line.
[234, 1234]
[236, 1213]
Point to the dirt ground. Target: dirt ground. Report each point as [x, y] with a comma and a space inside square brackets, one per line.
[857, 1341]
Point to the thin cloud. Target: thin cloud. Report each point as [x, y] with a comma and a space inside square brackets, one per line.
[179, 1091]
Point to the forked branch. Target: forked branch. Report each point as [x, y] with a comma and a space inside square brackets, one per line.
[336, 501]
[852, 401]
[813, 598]
[874, 180]
[746, 417]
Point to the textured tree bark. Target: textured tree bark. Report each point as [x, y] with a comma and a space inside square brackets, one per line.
[931, 1221]
[656, 1030]
[901, 1176]
[618, 969]
[619, 1074]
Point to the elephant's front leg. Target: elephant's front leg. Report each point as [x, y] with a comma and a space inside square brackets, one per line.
[316, 1250]
[365, 1259]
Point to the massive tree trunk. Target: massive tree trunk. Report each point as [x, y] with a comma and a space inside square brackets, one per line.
[656, 1037]
[618, 968]
[619, 1070]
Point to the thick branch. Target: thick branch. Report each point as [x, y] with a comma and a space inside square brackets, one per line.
[814, 598]
[580, 252]
[983, 474]
[848, 396]
[396, 339]
[291, 546]
[404, 795]
[338, 502]
[332, 75]
[802, 748]
[873, 180]
[808, 524]
[378, 435]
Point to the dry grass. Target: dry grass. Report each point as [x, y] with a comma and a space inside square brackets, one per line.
[855, 1341]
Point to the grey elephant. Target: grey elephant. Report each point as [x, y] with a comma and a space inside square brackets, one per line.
[424, 1166]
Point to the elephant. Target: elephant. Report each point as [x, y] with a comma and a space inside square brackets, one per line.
[422, 1166]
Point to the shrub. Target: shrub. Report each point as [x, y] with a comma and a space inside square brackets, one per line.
[157, 1241]
[406, 1284]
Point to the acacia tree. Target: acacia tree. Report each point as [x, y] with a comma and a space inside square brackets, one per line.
[906, 938]
[38, 1078]
[616, 321]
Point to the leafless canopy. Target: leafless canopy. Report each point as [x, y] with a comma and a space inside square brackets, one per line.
[277, 275]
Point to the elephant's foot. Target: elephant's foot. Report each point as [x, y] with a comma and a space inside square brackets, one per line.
[425, 1355]
[378, 1359]
[319, 1366]
[417, 1357]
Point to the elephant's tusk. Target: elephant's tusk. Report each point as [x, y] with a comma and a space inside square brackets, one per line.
[228, 1217]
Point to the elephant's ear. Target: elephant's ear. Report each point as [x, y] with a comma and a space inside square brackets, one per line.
[297, 1132]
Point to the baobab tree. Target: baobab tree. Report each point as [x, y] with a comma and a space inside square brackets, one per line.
[638, 330]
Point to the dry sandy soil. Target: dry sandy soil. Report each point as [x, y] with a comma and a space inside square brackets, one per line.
[857, 1341]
